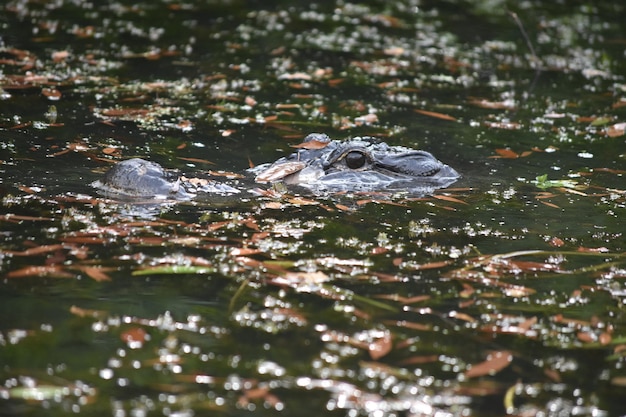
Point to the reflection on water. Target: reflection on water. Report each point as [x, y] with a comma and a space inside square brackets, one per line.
[501, 294]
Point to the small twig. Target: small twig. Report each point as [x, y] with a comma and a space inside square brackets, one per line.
[520, 25]
[240, 290]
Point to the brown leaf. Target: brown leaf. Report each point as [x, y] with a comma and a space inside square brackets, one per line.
[226, 174]
[610, 170]
[495, 362]
[32, 271]
[83, 312]
[435, 114]
[15, 218]
[431, 265]
[486, 104]
[506, 153]
[549, 204]
[312, 144]
[244, 252]
[125, 112]
[408, 325]
[601, 249]
[299, 201]
[36, 250]
[586, 337]
[404, 300]
[448, 198]
[504, 125]
[605, 338]
[462, 316]
[51, 93]
[278, 172]
[96, 273]
[197, 160]
[556, 242]
[417, 360]
[616, 130]
[380, 347]
[133, 336]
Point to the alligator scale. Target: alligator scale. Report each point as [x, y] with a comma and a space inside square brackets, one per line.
[320, 165]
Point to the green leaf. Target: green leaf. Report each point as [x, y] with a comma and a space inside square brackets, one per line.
[600, 121]
[543, 182]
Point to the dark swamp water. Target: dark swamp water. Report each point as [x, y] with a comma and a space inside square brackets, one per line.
[501, 295]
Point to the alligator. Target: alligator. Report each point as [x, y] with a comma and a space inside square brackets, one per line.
[321, 165]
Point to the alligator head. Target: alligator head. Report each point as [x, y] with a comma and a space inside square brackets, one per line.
[358, 164]
[138, 178]
[321, 165]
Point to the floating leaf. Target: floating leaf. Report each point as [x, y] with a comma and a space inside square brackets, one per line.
[448, 198]
[51, 93]
[616, 130]
[494, 363]
[36, 250]
[34, 271]
[435, 114]
[600, 121]
[504, 125]
[486, 104]
[134, 337]
[280, 171]
[174, 269]
[380, 347]
[96, 273]
[312, 144]
[83, 312]
[543, 182]
[197, 160]
[506, 153]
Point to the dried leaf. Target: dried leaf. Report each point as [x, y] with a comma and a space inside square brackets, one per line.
[295, 76]
[549, 204]
[506, 153]
[462, 316]
[299, 201]
[593, 250]
[435, 114]
[51, 93]
[278, 172]
[244, 252]
[503, 125]
[134, 337]
[495, 362]
[418, 360]
[36, 250]
[17, 218]
[33, 271]
[96, 273]
[197, 160]
[486, 104]
[227, 174]
[83, 312]
[404, 300]
[431, 265]
[556, 242]
[448, 198]
[380, 347]
[312, 144]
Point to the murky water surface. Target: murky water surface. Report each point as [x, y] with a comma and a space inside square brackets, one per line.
[502, 294]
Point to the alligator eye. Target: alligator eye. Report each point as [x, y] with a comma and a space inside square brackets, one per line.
[355, 160]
